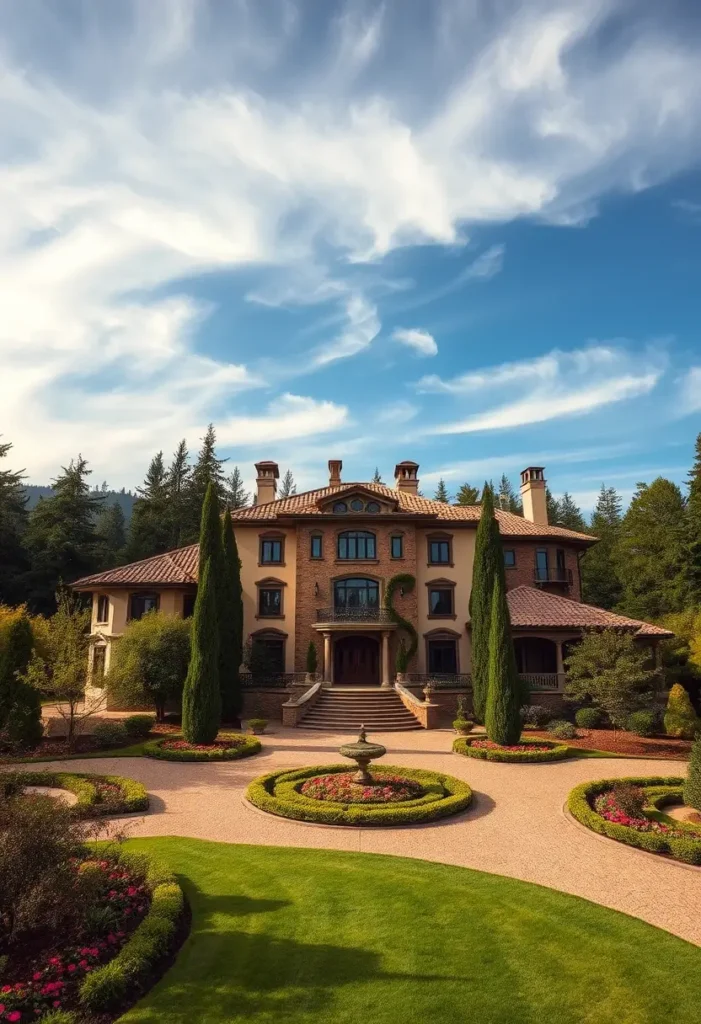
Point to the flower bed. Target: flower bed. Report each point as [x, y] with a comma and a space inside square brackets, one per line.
[594, 805]
[281, 793]
[141, 905]
[340, 788]
[526, 751]
[227, 747]
[97, 795]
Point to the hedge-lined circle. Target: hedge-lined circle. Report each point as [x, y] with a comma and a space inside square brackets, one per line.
[241, 746]
[557, 751]
[96, 795]
[660, 791]
[279, 794]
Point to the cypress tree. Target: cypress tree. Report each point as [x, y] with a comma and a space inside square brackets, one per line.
[201, 694]
[16, 652]
[488, 559]
[693, 526]
[692, 786]
[502, 719]
[230, 625]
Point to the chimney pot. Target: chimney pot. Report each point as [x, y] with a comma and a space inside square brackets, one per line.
[405, 477]
[535, 506]
[335, 467]
[266, 486]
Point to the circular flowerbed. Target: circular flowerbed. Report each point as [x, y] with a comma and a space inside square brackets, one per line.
[631, 811]
[226, 747]
[313, 794]
[96, 795]
[525, 751]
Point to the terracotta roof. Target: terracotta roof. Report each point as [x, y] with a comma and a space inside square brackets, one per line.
[306, 503]
[179, 566]
[533, 608]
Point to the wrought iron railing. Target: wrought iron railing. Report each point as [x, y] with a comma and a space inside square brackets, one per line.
[556, 574]
[440, 680]
[372, 616]
[543, 680]
[274, 680]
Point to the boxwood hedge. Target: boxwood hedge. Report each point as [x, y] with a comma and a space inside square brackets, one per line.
[245, 746]
[660, 791]
[279, 793]
[89, 805]
[558, 751]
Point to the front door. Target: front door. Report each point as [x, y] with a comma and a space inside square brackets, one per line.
[356, 661]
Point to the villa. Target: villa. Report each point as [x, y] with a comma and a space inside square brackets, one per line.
[316, 567]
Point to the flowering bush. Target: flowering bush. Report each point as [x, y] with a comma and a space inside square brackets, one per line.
[525, 752]
[206, 747]
[226, 747]
[342, 789]
[529, 747]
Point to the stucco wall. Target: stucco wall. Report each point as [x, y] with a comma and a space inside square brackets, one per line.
[460, 573]
[248, 542]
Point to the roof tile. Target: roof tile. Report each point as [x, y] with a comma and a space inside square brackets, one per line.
[536, 609]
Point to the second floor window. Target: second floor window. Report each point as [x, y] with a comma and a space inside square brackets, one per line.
[397, 547]
[270, 601]
[316, 547]
[440, 601]
[356, 544]
[541, 564]
[509, 558]
[103, 608]
[271, 550]
[140, 604]
[439, 552]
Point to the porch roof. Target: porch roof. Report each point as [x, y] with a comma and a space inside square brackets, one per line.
[535, 609]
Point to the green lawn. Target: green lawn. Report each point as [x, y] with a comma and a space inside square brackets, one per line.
[287, 935]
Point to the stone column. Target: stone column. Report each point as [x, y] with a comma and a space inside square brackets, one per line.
[328, 662]
[560, 665]
[386, 682]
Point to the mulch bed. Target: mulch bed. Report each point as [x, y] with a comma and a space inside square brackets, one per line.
[627, 743]
[55, 746]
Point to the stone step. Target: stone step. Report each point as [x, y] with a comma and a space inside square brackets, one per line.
[347, 711]
[343, 728]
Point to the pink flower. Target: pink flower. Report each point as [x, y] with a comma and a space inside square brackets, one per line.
[83, 964]
[56, 1003]
[37, 975]
[15, 1015]
[71, 968]
[6, 988]
[2, 1007]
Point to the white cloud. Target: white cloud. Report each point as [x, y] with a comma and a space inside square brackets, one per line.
[362, 328]
[690, 391]
[397, 412]
[488, 264]
[541, 370]
[287, 417]
[423, 343]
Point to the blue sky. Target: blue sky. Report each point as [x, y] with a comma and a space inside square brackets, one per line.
[464, 233]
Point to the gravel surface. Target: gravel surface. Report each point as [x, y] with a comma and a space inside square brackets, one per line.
[516, 827]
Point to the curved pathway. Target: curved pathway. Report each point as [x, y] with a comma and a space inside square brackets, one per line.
[516, 827]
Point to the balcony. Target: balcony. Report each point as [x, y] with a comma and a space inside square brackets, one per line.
[373, 616]
[558, 574]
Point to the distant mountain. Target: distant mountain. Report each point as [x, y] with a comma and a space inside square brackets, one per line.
[124, 498]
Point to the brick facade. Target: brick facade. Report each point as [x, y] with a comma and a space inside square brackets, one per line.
[523, 573]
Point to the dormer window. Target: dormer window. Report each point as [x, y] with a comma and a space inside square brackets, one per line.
[372, 507]
[340, 507]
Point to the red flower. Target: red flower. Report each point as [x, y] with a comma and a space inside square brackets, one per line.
[71, 968]
[15, 1015]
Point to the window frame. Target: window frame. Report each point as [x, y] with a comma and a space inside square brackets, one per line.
[540, 578]
[271, 634]
[346, 536]
[399, 537]
[99, 619]
[450, 613]
[271, 538]
[143, 595]
[270, 583]
[373, 584]
[312, 539]
[512, 552]
[97, 680]
[439, 538]
[442, 636]
[186, 599]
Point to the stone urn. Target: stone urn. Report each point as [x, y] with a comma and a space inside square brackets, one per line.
[362, 753]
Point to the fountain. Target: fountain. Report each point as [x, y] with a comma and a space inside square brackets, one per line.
[362, 753]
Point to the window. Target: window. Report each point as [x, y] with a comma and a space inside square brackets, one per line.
[439, 552]
[270, 601]
[356, 544]
[188, 605]
[356, 505]
[397, 547]
[440, 601]
[140, 604]
[509, 558]
[98, 666]
[103, 608]
[275, 653]
[541, 564]
[316, 549]
[271, 550]
[267, 655]
[340, 507]
[560, 560]
[442, 656]
[356, 593]
[372, 507]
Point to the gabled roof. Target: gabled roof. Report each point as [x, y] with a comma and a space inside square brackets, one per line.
[169, 569]
[532, 608]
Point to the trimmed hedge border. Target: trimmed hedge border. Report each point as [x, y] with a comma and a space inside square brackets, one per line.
[134, 795]
[131, 972]
[278, 794]
[661, 791]
[558, 751]
[250, 746]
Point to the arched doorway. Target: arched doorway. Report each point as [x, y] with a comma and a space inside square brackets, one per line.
[356, 661]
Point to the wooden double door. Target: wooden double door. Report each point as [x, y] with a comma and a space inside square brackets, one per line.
[356, 661]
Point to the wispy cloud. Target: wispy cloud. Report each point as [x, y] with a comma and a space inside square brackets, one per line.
[288, 417]
[690, 392]
[423, 343]
[691, 211]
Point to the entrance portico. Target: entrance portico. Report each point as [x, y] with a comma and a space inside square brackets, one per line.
[355, 654]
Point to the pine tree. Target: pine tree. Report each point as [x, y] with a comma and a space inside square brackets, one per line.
[288, 486]
[551, 507]
[651, 553]
[693, 526]
[150, 530]
[230, 625]
[600, 583]
[236, 495]
[177, 484]
[692, 786]
[18, 642]
[201, 693]
[13, 523]
[488, 559]
[569, 514]
[377, 479]
[442, 492]
[61, 537]
[111, 530]
[467, 495]
[507, 498]
[502, 719]
[207, 470]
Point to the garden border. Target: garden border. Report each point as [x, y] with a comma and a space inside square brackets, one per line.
[688, 851]
[558, 752]
[454, 797]
[134, 794]
[248, 748]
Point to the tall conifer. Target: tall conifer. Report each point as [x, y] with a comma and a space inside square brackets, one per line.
[230, 625]
[502, 720]
[201, 695]
[488, 558]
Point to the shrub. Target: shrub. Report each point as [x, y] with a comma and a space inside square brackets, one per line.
[132, 795]
[610, 670]
[561, 729]
[402, 657]
[692, 785]
[201, 693]
[23, 725]
[463, 725]
[642, 723]
[535, 714]
[588, 718]
[680, 718]
[311, 658]
[110, 734]
[502, 718]
[256, 725]
[630, 798]
[558, 751]
[245, 746]
[18, 640]
[149, 664]
[138, 726]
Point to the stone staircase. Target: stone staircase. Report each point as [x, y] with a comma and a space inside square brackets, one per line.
[345, 710]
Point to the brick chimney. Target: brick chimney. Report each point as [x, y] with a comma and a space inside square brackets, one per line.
[266, 486]
[335, 467]
[535, 506]
[405, 478]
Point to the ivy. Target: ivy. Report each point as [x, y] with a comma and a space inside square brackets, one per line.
[406, 581]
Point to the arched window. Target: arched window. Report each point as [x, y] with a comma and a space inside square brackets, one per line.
[357, 593]
[356, 544]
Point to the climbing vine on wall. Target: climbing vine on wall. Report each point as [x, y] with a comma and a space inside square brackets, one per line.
[407, 582]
